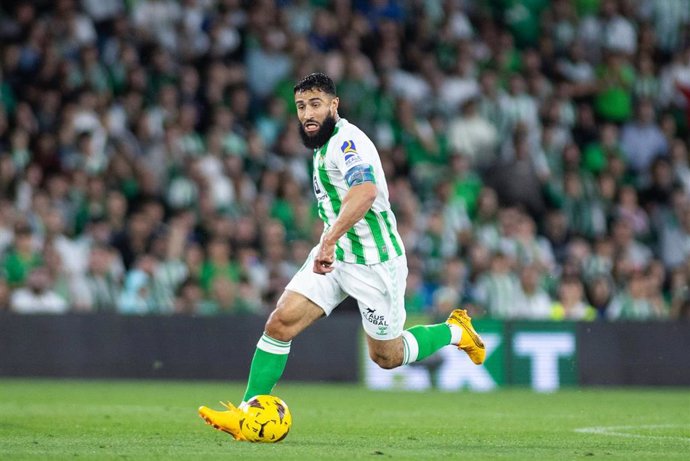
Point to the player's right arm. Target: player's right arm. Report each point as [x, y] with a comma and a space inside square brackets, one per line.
[358, 200]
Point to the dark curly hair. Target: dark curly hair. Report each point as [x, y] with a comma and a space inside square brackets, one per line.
[316, 81]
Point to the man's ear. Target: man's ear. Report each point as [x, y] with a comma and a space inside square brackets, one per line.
[334, 105]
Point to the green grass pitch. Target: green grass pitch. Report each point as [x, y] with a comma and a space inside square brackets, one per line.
[141, 420]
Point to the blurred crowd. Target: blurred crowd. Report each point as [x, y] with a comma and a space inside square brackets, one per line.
[536, 151]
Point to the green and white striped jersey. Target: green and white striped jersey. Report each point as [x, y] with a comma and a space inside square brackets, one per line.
[374, 239]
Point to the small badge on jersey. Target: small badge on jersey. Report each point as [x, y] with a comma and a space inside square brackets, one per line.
[320, 194]
[351, 156]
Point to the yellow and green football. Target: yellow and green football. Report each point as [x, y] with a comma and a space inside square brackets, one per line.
[267, 419]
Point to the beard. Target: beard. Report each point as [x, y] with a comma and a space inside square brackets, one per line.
[318, 139]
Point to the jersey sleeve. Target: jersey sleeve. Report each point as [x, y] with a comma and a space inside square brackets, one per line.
[351, 157]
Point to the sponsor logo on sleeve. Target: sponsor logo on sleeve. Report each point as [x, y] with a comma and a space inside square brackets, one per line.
[350, 151]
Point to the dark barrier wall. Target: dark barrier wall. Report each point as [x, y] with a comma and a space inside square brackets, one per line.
[634, 353]
[99, 346]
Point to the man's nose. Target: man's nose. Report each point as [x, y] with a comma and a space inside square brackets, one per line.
[308, 113]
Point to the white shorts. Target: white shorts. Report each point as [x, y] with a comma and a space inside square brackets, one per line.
[379, 290]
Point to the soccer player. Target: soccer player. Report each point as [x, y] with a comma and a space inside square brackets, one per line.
[360, 254]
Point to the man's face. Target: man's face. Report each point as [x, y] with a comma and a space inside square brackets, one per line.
[646, 112]
[38, 280]
[99, 262]
[316, 112]
[571, 292]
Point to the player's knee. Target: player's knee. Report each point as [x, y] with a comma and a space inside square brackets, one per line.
[279, 326]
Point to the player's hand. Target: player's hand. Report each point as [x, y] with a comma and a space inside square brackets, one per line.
[323, 263]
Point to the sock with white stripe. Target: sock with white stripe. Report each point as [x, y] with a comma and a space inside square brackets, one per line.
[420, 341]
[267, 366]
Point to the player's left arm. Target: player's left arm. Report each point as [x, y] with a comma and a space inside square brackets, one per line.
[358, 200]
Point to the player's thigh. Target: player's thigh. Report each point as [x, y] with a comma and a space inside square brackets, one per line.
[322, 290]
[380, 293]
[294, 312]
[307, 297]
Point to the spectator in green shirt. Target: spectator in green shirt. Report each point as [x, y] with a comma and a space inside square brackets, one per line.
[596, 156]
[218, 264]
[523, 19]
[22, 258]
[425, 144]
[466, 183]
[616, 76]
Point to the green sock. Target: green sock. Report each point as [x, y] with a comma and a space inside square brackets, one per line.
[267, 366]
[420, 341]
